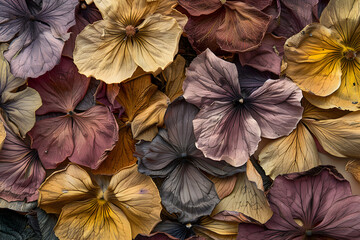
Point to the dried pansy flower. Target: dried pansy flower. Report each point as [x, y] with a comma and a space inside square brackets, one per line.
[85, 14]
[232, 121]
[323, 59]
[144, 108]
[172, 155]
[226, 25]
[21, 172]
[316, 204]
[37, 32]
[337, 132]
[133, 34]
[17, 104]
[64, 131]
[117, 207]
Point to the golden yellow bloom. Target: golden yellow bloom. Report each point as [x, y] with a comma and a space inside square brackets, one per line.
[113, 208]
[324, 58]
[132, 34]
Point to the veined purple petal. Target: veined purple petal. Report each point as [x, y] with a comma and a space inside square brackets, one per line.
[12, 14]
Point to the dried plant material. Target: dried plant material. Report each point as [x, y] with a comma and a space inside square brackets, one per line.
[122, 208]
[353, 167]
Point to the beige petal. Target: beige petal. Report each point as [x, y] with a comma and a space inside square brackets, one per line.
[247, 199]
[145, 124]
[137, 196]
[294, 153]
[66, 186]
[339, 137]
[216, 230]
[312, 112]
[353, 167]
[156, 43]
[254, 176]
[101, 51]
[92, 219]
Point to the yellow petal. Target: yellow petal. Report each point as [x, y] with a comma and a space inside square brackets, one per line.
[145, 124]
[353, 167]
[339, 137]
[294, 153]
[66, 186]
[247, 199]
[92, 219]
[312, 112]
[254, 176]
[216, 230]
[313, 59]
[101, 51]
[343, 16]
[137, 196]
[156, 43]
[223, 186]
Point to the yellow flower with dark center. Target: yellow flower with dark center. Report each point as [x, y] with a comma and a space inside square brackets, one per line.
[324, 58]
[132, 34]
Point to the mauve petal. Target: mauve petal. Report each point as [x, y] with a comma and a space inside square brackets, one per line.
[224, 132]
[267, 57]
[21, 170]
[12, 19]
[83, 17]
[35, 51]
[59, 15]
[243, 28]
[61, 89]
[188, 192]
[258, 4]
[341, 220]
[88, 100]
[201, 31]
[252, 232]
[53, 139]
[200, 7]
[209, 79]
[276, 107]
[106, 94]
[95, 132]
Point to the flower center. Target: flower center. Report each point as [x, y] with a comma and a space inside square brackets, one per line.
[131, 30]
[349, 53]
[70, 113]
[188, 225]
[223, 1]
[241, 100]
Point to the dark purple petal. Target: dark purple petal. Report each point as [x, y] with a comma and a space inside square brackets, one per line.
[276, 107]
[251, 232]
[53, 139]
[12, 19]
[95, 132]
[21, 169]
[224, 132]
[106, 94]
[61, 89]
[189, 193]
[89, 99]
[210, 79]
[175, 229]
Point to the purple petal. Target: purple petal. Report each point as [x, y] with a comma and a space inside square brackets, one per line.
[251, 232]
[12, 19]
[200, 7]
[106, 94]
[188, 192]
[276, 107]
[61, 89]
[210, 79]
[224, 132]
[21, 169]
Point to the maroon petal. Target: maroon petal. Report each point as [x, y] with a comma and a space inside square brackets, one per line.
[21, 170]
[251, 232]
[95, 132]
[106, 94]
[61, 89]
[243, 28]
[210, 79]
[342, 220]
[200, 7]
[267, 57]
[226, 133]
[53, 139]
[258, 4]
[276, 107]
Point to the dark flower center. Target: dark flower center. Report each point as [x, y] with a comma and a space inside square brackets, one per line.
[239, 102]
[70, 113]
[131, 30]
[350, 55]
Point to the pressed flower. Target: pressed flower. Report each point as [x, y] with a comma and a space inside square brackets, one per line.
[323, 58]
[316, 204]
[165, 236]
[232, 118]
[64, 131]
[119, 207]
[18, 104]
[353, 167]
[133, 34]
[230, 25]
[144, 108]
[37, 32]
[337, 132]
[85, 14]
[21, 172]
[172, 155]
